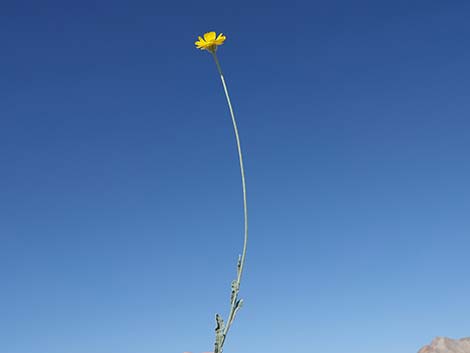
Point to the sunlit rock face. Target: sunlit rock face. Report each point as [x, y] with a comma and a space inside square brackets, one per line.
[447, 345]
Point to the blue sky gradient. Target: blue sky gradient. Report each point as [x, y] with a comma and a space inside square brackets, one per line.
[121, 213]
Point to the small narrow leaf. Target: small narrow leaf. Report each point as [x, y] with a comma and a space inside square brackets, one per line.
[220, 323]
[235, 289]
[219, 334]
[239, 264]
[238, 306]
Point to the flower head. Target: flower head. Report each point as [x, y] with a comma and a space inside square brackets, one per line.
[210, 42]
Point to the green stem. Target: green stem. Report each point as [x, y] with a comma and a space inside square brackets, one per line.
[245, 209]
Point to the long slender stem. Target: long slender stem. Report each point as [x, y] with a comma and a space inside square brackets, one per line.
[245, 209]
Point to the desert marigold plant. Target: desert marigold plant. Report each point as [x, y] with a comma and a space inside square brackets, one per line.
[210, 42]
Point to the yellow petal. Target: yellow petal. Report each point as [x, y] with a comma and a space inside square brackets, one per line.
[209, 36]
[201, 45]
[221, 37]
[200, 39]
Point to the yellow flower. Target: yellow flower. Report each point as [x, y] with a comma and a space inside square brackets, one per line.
[210, 42]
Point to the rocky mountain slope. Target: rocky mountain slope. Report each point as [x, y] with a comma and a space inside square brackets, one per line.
[447, 345]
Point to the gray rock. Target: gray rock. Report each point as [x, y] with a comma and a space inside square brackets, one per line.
[447, 345]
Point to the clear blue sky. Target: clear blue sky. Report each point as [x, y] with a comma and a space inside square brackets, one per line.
[121, 214]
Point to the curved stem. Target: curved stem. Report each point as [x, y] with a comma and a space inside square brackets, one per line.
[245, 210]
